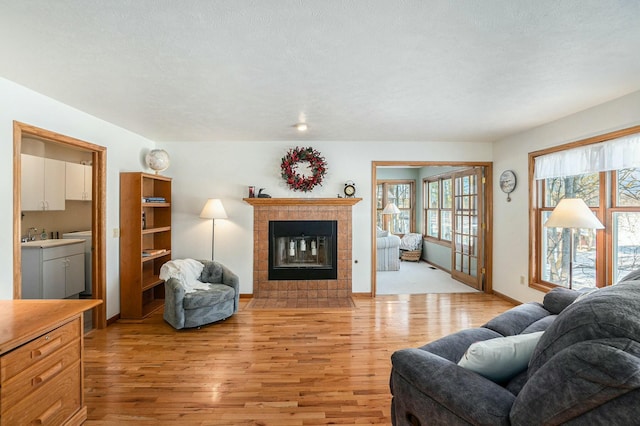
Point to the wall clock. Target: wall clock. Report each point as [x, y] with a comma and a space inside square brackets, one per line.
[508, 182]
[349, 189]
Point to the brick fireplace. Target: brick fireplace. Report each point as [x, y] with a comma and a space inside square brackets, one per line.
[301, 292]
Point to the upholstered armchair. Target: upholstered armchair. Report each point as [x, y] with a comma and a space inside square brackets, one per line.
[192, 300]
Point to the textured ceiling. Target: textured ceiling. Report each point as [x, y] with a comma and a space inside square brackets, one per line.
[369, 70]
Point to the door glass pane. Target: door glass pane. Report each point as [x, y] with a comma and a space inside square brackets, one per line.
[626, 244]
[628, 187]
[379, 197]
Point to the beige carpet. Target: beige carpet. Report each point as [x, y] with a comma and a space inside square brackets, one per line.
[418, 278]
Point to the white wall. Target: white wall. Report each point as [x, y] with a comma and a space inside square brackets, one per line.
[511, 226]
[224, 170]
[124, 153]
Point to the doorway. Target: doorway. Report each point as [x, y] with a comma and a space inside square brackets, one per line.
[469, 246]
[22, 131]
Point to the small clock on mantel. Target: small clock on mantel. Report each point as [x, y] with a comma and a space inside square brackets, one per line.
[508, 182]
[349, 189]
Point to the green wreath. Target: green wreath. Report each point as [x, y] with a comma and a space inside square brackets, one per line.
[295, 180]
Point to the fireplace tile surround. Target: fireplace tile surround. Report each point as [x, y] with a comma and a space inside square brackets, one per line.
[307, 292]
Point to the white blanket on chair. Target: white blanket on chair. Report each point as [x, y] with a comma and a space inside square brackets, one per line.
[187, 271]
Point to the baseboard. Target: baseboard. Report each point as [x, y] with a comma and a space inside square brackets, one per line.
[507, 298]
[362, 295]
[113, 319]
[246, 295]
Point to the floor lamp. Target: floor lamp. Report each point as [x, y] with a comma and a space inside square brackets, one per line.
[572, 213]
[390, 209]
[213, 210]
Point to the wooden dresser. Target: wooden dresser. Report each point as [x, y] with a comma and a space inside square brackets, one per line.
[41, 372]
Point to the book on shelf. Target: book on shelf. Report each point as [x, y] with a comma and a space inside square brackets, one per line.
[154, 200]
[152, 252]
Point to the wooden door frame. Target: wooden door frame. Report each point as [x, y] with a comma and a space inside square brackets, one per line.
[98, 211]
[488, 287]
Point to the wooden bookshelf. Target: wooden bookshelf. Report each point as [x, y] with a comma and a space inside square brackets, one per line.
[144, 226]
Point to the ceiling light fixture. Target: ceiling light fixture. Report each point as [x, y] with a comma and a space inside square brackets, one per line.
[301, 127]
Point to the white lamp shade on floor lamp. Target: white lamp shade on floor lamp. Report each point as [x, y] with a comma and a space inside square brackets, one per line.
[572, 213]
[390, 209]
[213, 210]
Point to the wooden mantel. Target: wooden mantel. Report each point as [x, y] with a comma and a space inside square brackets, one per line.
[302, 201]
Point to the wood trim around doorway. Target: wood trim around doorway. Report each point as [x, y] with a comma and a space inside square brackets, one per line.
[488, 169]
[98, 210]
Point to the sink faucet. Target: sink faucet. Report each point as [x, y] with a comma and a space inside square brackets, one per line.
[32, 237]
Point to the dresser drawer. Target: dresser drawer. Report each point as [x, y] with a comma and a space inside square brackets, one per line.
[39, 374]
[30, 353]
[51, 404]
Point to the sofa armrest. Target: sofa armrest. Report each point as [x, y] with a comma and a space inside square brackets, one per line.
[232, 280]
[173, 298]
[433, 390]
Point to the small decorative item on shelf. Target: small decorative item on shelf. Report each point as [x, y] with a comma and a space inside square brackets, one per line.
[263, 195]
[314, 162]
[157, 160]
[349, 189]
[252, 192]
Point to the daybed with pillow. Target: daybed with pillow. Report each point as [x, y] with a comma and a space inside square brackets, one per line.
[387, 251]
[584, 369]
[198, 292]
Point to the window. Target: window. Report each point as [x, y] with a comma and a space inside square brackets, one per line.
[402, 194]
[593, 174]
[438, 200]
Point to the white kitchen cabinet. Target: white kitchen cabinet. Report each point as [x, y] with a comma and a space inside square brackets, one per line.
[78, 182]
[52, 269]
[42, 183]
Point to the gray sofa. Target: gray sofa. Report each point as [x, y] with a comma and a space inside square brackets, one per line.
[585, 369]
[204, 306]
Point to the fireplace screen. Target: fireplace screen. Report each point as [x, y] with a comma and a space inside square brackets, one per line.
[302, 249]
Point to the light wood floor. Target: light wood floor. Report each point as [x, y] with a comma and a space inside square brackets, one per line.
[268, 367]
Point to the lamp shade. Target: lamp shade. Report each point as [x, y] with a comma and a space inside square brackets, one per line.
[573, 213]
[213, 209]
[391, 209]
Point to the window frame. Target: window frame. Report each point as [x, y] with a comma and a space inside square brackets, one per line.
[605, 210]
[412, 200]
[426, 207]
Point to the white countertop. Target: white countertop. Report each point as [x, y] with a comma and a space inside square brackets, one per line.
[51, 243]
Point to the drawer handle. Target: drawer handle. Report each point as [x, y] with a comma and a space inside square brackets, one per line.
[47, 374]
[46, 349]
[48, 413]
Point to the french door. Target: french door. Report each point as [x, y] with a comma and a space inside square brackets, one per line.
[467, 263]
